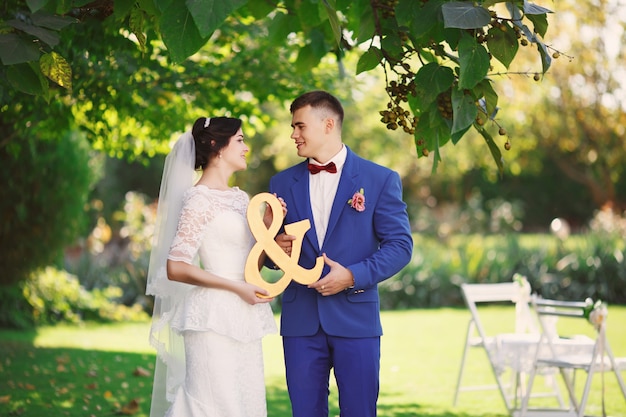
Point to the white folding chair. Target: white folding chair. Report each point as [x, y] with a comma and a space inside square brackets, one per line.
[506, 351]
[568, 355]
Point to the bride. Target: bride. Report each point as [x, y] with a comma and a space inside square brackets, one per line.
[208, 322]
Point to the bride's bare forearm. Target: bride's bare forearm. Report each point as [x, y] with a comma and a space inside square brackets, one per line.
[194, 275]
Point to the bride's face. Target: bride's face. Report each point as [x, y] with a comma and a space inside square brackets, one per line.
[235, 152]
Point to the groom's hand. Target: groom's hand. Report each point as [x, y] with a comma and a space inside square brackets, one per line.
[285, 242]
[338, 279]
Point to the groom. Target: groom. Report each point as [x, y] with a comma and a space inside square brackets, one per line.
[360, 226]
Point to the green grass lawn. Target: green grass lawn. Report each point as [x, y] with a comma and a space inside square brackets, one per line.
[100, 370]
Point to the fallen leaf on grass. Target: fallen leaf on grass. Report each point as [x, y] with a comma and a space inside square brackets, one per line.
[139, 371]
[63, 359]
[4, 399]
[129, 409]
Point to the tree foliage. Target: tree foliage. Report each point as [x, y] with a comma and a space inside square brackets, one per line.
[437, 55]
[578, 120]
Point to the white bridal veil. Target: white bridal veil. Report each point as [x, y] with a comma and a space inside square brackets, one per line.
[169, 372]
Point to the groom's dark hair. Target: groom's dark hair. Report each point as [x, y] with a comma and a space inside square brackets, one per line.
[319, 100]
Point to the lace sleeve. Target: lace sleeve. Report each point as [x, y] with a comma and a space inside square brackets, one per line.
[194, 219]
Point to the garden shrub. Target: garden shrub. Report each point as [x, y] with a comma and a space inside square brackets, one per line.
[590, 264]
[45, 184]
[15, 312]
[51, 296]
[55, 296]
[118, 258]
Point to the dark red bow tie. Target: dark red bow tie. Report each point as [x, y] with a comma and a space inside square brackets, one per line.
[315, 169]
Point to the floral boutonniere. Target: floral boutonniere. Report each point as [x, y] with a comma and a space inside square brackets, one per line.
[357, 201]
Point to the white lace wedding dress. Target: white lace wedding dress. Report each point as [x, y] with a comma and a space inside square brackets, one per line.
[222, 333]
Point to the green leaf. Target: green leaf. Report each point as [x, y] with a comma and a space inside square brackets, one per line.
[493, 148]
[45, 35]
[51, 21]
[280, 26]
[308, 14]
[464, 15]
[55, 67]
[515, 12]
[464, 111]
[136, 24]
[151, 7]
[63, 6]
[489, 3]
[426, 17]
[451, 36]
[179, 32]
[392, 45]
[260, 9]
[306, 59]
[405, 11]
[540, 23]
[546, 59]
[121, 8]
[457, 136]
[531, 8]
[516, 19]
[369, 60]
[312, 53]
[367, 26]
[434, 131]
[35, 5]
[431, 80]
[473, 62]
[28, 79]
[486, 91]
[16, 50]
[503, 44]
[162, 5]
[424, 133]
[210, 14]
[334, 21]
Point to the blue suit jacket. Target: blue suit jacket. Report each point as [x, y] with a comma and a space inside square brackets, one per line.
[374, 244]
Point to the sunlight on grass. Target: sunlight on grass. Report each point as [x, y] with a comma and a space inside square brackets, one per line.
[92, 369]
[121, 337]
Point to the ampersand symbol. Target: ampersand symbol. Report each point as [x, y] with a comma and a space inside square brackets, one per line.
[265, 243]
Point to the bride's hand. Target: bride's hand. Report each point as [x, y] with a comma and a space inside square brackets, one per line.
[252, 294]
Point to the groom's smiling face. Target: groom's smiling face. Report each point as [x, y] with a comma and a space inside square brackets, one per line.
[310, 132]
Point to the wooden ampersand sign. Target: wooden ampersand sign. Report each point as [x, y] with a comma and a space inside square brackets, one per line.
[265, 243]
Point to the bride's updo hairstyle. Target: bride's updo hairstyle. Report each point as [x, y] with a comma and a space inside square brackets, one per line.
[211, 135]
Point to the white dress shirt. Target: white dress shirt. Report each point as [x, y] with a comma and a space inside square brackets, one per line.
[322, 188]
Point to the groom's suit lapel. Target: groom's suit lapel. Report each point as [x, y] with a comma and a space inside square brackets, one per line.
[345, 190]
[302, 197]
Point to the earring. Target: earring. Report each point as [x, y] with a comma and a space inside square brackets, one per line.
[219, 155]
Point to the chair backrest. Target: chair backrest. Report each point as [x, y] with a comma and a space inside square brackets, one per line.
[517, 293]
[579, 352]
[549, 310]
[482, 293]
